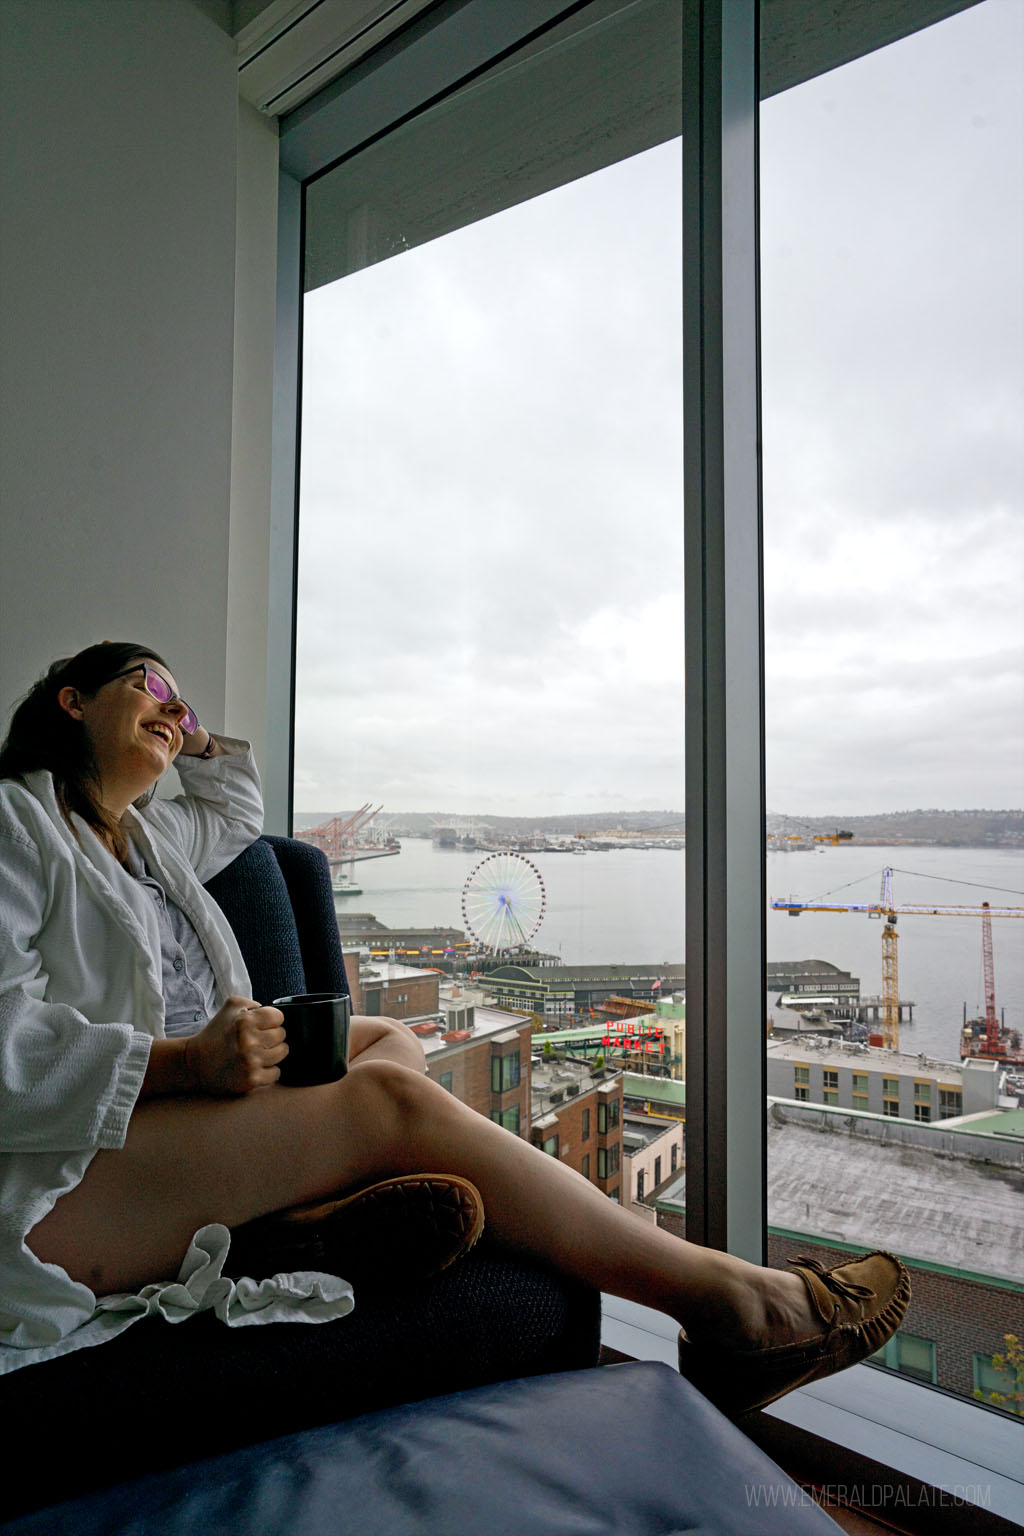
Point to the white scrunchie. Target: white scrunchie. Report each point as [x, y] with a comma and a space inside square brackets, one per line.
[305, 1296]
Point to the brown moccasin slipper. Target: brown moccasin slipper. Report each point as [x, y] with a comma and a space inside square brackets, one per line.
[862, 1302]
[391, 1233]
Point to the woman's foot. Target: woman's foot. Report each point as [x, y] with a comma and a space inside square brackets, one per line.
[747, 1306]
[772, 1341]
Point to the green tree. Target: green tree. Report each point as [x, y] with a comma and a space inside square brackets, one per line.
[1012, 1362]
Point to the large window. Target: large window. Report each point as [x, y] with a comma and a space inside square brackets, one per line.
[489, 614]
[893, 399]
[490, 588]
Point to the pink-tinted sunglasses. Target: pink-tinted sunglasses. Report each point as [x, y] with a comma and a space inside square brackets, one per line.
[160, 689]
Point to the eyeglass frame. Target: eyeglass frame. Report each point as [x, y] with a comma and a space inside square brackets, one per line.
[173, 698]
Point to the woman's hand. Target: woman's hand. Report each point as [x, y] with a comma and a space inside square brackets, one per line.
[238, 1050]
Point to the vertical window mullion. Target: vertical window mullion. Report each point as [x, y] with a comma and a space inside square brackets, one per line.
[725, 889]
[280, 660]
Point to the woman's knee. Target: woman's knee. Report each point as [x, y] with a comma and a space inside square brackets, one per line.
[385, 1088]
[409, 1044]
[376, 1037]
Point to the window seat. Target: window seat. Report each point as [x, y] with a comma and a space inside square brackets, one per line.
[630, 1448]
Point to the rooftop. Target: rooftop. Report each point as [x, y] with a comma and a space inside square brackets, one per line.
[486, 1021]
[805, 967]
[896, 1195]
[897, 1186]
[625, 972]
[388, 970]
[876, 1058]
[995, 1122]
[554, 1082]
[656, 1090]
[639, 1131]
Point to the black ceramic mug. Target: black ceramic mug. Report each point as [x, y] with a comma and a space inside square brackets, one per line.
[316, 1030]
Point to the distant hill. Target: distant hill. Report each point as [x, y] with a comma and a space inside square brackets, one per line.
[950, 829]
[946, 829]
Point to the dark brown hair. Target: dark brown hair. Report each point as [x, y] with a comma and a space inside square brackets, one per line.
[43, 735]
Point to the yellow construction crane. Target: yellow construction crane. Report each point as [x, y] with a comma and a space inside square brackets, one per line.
[886, 908]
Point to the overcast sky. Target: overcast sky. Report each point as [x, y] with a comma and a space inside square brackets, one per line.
[490, 586]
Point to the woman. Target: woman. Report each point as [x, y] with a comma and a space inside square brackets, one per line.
[141, 1111]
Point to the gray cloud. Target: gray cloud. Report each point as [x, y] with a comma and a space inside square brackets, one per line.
[491, 564]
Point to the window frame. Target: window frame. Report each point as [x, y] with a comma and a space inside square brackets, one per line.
[506, 1072]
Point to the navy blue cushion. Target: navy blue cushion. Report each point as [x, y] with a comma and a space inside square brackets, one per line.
[629, 1448]
[307, 875]
[253, 895]
[162, 1395]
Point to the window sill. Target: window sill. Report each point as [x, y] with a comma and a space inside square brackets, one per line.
[951, 1446]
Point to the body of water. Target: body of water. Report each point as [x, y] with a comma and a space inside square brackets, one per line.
[626, 905]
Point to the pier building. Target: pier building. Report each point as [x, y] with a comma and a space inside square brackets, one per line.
[573, 989]
[814, 980]
[361, 930]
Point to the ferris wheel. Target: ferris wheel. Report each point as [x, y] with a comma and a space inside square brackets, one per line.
[503, 901]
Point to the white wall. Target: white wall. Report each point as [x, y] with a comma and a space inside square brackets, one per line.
[250, 579]
[117, 340]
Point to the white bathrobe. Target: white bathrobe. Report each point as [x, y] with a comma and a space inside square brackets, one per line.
[80, 1003]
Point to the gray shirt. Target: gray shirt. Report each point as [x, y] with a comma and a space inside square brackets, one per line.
[189, 984]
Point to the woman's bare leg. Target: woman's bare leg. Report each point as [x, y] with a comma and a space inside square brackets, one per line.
[188, 1162]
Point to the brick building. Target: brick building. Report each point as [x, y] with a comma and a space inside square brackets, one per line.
[483, 1058]
[384, 988]
[954, 1325]
[577, 1117]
